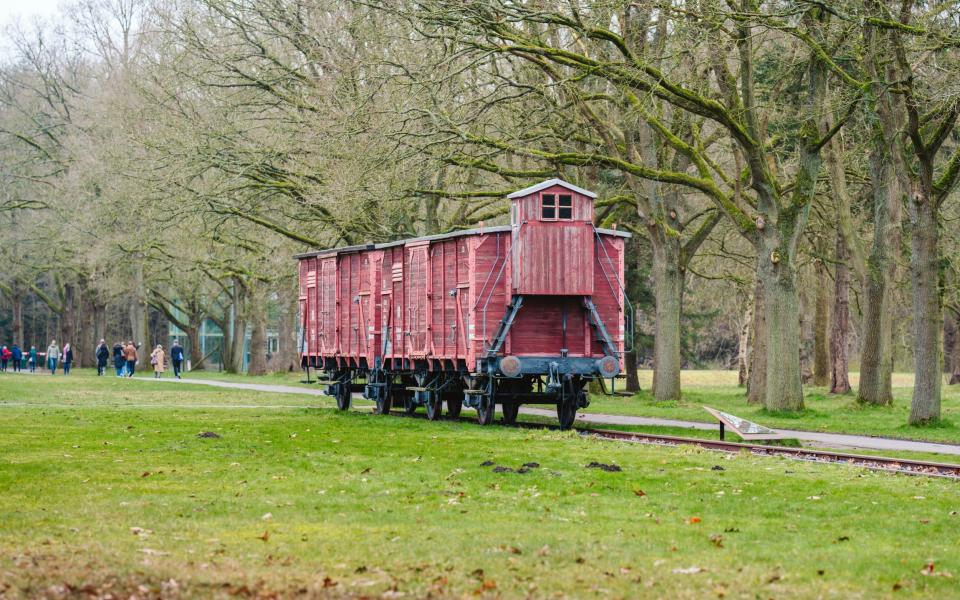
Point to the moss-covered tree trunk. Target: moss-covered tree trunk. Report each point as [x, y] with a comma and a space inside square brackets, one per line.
[927, 308]
[668, 292]
[821, 323]
[783, 387]
[757, 379]
[840, 321]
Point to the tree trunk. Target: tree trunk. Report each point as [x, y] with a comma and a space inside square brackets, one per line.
[821, 321]
[955, 348]
[840, 322]
[743, 348]
[876, 356]
[757, 379]
[68, 322]
[16, 304]
[927, 315]
[257, 312]
[668, 292]
[630, 365]
[287, 357]
[783, 390]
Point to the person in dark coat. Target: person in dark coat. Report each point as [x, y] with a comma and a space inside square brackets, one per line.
[16, 355]
[67, 358]
[176, 357]
[118, 361]
[103, 354]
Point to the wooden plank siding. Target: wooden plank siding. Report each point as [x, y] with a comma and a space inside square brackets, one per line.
[443, 297]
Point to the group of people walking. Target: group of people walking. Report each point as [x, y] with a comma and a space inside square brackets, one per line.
[125, 358]
[14, 355]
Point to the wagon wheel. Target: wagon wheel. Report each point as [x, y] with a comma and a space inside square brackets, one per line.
[344, 395]
[454, 404]
[384, 399]
[488, 403]
[510, 412]
[434, 406]
[567, 404]
[514, 388]
[398, 395]
[409, 406]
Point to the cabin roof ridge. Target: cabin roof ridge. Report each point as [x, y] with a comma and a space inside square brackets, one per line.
[550, 183]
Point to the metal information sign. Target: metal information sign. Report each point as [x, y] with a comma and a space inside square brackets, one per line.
[748, 430]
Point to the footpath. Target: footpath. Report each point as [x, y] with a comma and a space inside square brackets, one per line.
[827, 440]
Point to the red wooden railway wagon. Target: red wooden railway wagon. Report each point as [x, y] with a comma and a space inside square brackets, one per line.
[515, 314]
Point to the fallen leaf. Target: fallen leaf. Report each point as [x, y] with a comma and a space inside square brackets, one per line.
[267, 516]
[265, 536]
[693, 520]
[717, 540]
[329, 583]
[640, 493]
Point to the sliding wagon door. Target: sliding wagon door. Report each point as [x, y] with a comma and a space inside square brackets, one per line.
[417, 305]
[327, 307]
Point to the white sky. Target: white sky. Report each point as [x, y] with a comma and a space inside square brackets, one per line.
[10, 10]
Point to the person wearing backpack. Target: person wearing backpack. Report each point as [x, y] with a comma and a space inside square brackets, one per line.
[176, 356]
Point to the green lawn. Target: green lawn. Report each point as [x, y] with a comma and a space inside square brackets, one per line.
[105, 486]
[824, 412]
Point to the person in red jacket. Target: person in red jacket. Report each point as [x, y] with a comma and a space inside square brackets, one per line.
[5, 355]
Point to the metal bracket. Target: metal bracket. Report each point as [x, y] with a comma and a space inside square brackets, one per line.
[505, 324]
[595, 320]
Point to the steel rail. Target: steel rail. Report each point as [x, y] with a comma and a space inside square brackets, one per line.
[876, 463]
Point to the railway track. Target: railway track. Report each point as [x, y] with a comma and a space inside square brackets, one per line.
[885, 464]
[875, 463]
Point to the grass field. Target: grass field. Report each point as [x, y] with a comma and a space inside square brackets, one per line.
[105, 487]
[824, 412]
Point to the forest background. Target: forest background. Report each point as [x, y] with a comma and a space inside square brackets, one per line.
[789, 169]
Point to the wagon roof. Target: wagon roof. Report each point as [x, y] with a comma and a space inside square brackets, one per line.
[550, 183]
[431, 238]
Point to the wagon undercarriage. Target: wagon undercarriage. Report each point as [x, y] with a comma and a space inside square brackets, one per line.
[484, 392]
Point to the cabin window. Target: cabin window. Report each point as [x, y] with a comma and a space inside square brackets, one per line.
[548, 207]
[565, 209]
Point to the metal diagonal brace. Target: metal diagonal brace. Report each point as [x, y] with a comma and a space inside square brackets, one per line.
[595, 320]
[505, 324]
